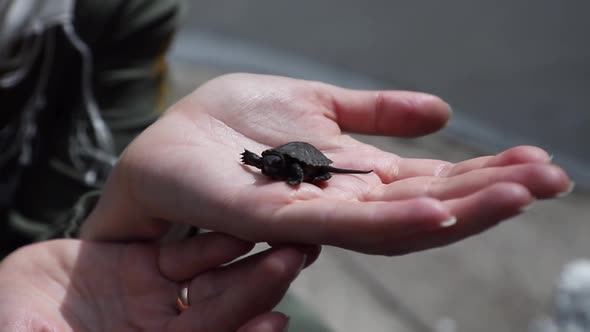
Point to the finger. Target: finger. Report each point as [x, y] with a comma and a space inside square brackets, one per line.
[542, 180]
[475, 214]
[353, 224]
[409, 167]
[226, 298]
[513, 156]
[267, 322]
[186, 258]
[390, 167]
[312, 252]
[396, 113]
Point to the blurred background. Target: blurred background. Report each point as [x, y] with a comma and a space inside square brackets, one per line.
[515, 72]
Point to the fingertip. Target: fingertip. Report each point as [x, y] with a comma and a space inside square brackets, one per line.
[268, 322]
[512, 193]
[311, 252]
[489, 206]
[532, 153]
[569, 190]
[435, 105]
[411, 216]
[520, 155]
[449, 222]
[509, 200]
[431, 213]
[475, 213]
[561, 182]
[284, 263]
[552, 181]
[420, 113]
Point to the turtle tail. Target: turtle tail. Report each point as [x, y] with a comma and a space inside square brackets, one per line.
[346, 171]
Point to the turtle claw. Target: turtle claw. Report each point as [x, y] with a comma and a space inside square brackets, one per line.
[294, 182]
[252, 159]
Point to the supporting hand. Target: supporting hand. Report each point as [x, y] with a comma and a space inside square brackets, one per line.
[72, 285]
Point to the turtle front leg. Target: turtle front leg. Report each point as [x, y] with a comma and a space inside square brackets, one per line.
[296, 174]
[252, 159]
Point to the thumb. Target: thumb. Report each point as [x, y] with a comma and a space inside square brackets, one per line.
[392, 113]
[229, 297]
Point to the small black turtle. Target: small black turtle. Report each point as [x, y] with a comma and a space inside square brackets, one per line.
[295, 162]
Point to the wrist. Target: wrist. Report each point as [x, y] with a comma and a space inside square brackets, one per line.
[118, 216]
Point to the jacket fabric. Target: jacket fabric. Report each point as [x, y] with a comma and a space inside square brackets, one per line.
[78, 81]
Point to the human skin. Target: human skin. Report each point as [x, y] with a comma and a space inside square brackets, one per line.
[73, 285]
[185, 169]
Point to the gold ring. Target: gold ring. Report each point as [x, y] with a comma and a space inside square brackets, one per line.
[182, 299]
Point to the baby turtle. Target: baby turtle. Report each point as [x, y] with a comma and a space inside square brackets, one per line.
[295, 162]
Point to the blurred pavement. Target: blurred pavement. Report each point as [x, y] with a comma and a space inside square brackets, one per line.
[515, 72]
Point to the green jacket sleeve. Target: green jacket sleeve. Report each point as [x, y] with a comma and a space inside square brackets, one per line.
[128, 40]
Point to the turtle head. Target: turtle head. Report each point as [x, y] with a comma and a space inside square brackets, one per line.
[273, 164]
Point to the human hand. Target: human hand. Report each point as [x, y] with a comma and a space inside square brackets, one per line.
[186, 169]
[72, 285]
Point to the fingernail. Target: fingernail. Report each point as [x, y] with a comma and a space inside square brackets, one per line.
[527, 207]
[569, 190]
[286, 327]
[449, 222]
[550, 159]
[302, 263]
[450, 108]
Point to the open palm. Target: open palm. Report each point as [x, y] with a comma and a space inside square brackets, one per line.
[186, 169]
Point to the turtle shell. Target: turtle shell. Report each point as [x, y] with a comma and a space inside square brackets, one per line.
[302, 152]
